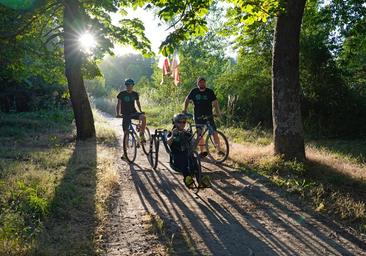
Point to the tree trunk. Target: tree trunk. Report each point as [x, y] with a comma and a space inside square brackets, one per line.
[73, 60]
[287, 122]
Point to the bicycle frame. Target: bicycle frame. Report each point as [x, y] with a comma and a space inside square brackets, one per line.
[204, 129]
[133, 128]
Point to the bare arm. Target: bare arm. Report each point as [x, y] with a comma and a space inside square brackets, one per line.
[186, 103]
[138, 105]
[215, 103]
[118, 108]
[170, 139]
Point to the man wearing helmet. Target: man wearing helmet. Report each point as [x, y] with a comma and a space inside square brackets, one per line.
[203, 99]
[126, 107]
[182, 158]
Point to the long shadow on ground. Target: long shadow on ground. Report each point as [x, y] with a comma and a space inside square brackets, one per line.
[70, 226]
[240, 215]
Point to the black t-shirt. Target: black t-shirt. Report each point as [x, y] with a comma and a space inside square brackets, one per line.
[202, 101]
[128, 101]
[181, 142]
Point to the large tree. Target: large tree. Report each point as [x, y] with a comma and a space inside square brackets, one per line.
[73, 63]
[288, 131]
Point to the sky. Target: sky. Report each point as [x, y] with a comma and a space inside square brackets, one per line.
[154, 31]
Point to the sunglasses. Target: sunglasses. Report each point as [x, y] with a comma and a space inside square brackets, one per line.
[182, 122]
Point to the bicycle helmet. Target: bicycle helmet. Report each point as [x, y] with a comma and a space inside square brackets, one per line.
[179, 117]
[129, 82]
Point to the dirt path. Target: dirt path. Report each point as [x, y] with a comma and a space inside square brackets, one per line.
[240, 215]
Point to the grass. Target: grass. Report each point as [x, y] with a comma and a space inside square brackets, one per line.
[349, 150]
[54, 191]
[255, 136]
[332, 182]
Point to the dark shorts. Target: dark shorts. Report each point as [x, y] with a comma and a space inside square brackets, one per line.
[202, 122]
[127, 119]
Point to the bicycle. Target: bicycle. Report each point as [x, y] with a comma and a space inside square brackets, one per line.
[153, 156]
[218, 153]
[161, 135]
[132, 141]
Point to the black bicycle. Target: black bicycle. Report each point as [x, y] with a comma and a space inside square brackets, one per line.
[153, 155]
[161, 135]
[132, 141]
[217, 149]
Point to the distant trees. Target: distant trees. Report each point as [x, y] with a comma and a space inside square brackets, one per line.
[116, 69]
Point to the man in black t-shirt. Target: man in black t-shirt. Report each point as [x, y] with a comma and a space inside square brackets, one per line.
[203, 99]
[126, 108]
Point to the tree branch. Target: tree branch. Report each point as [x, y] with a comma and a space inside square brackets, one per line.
[53, 36]
[51, 30]
[180, 18]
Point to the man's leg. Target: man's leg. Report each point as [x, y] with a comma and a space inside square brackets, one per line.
[216, 136]
[180, 161]
[125, 123]
[142, 119]
[217, 141]
[201, 143]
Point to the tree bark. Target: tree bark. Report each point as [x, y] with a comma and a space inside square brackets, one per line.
[288, 131]
[73, 61]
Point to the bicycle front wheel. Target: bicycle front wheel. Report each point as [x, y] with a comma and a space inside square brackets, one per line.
[129, 146]
[153, 154]
[145, 145]
[217, 149]
[165, 142]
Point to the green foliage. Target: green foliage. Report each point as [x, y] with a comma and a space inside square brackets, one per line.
[18, 4]
[327, 98]
[245, 91]
[96, 87]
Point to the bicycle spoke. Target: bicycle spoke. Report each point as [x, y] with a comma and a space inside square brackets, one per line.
[129, 147]
[217, 148]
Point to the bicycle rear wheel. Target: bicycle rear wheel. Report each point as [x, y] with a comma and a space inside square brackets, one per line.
[217, 152]
[145, 145]
[153, 154]
[129, 146]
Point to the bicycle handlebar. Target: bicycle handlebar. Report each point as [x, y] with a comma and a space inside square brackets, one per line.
[205, 118]
[123, 116]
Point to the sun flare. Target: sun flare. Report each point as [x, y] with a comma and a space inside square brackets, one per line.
[87, 42]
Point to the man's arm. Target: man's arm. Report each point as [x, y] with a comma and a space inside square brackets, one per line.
[186, 103]
[138, 105]
[118, 108]
[215, 103]
[171, 137]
